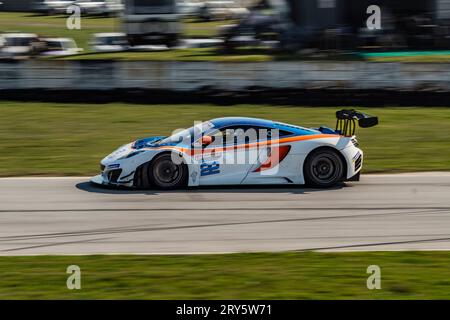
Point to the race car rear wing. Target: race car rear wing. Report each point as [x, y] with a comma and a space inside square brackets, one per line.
[346, 121]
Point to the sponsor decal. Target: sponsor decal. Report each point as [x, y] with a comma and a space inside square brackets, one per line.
[207, 169]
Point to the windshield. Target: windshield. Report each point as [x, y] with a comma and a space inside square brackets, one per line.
[149, 6]
[190, 135]
[19, 42]
[54, 45]
[69, 44]
[60, 45]
[113, 41]
[221, 4]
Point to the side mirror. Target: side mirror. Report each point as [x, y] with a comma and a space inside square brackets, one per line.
[206, 140]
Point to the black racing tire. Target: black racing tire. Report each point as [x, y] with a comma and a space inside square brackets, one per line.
[323, 168]
[164, 174]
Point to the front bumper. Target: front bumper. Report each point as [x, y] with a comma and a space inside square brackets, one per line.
[102, 179]
[98, 179]
[114, 177]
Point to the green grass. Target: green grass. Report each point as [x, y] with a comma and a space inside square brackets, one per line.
[409, 56]
[416, 59]
[190, 54]
[243, 54]
[71, 139]
[196, 29]
[404, 275]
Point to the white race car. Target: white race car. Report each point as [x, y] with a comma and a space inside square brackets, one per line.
[237, 151]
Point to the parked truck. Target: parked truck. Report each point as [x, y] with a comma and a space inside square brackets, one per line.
[149, 22]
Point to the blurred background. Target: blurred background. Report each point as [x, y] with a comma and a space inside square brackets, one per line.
[152, 59]
[250, 30]
[140, 68]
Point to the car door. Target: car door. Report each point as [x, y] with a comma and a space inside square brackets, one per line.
[229, 158]
[271, 153]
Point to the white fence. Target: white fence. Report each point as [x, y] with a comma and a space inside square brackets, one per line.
[191, 76]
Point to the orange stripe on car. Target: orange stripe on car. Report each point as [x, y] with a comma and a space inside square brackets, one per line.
[270, 142]
[245, 146]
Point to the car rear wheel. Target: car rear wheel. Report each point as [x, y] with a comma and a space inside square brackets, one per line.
[164, 174]
[323, 168]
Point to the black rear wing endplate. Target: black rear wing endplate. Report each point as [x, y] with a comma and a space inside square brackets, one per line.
[346, 121]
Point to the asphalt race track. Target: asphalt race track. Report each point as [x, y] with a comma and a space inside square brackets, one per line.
[71, 216]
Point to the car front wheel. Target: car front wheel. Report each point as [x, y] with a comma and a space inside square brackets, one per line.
[164, 174]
